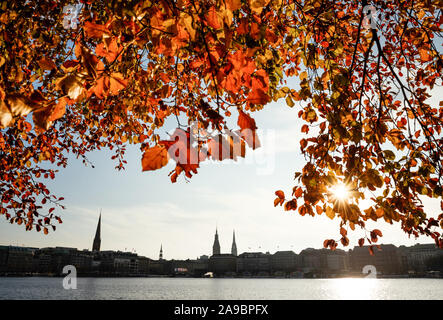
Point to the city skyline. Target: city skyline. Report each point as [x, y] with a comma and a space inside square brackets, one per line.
[216, 248]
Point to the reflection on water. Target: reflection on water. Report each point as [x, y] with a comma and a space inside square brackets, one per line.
[356, 289]
[222, 289]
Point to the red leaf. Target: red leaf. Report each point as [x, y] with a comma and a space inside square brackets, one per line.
[245, 121]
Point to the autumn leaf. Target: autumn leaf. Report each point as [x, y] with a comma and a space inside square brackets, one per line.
[280, 198]
[59, 109]
[233, 4]
[280, 194]
[5, 115]
[108, 49]
[245, 121]
[213, 19]
[291, 205]
[94, 30]
[258, 5]
[117, 83]
[46, 64]
[71, 85]
[155, 158]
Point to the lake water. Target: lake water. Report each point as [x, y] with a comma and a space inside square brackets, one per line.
[221, 289]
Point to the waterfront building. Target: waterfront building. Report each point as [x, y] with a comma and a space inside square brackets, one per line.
[254, 263]
[387, 259]
[311, 260]
[284, 262]
[223, 264]
[422, 257]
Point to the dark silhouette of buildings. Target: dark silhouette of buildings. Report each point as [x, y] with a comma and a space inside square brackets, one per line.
[415, 261]
[387, 259]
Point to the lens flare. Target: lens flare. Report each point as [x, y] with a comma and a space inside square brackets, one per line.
[340, 192]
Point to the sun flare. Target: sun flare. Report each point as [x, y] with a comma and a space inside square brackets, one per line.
[340, 191]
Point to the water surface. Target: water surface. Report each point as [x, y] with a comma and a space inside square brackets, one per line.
[37, 288]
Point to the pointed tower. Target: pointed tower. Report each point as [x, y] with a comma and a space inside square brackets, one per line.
[216, 246]
[97, 239]
[160, 257]
[234, 246]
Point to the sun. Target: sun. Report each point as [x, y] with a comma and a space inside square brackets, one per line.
[340, 191]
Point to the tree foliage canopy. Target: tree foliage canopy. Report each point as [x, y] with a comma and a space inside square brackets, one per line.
[114, 76]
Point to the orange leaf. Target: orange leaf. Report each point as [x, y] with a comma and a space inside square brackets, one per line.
[280, 194]
[117, 83]
[233, 4]
[297, 192]
[213, 19]
[258, 96]
[59, 109]
[245, 121]
[110, 51]
[155, 158]
[94, 30]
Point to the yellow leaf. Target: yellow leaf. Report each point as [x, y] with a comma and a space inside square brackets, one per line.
[258, 5]
[187, 21]
[330, 213]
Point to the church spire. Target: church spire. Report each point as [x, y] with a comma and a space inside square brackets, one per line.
[216, 246]
[234, 245]
[160, 257]
[97, 239]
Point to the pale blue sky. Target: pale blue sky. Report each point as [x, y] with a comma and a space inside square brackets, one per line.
[143, 210]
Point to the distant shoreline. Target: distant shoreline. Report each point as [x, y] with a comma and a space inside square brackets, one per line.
[237, 277]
